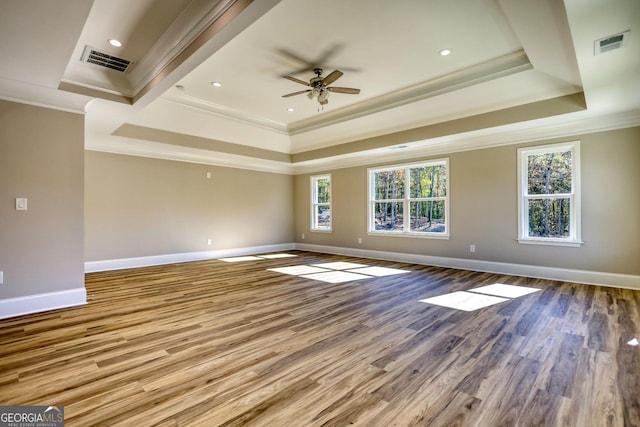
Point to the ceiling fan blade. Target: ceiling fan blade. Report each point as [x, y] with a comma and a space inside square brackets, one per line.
[349, 90]
[296, 93]
[293, 79]
[332, 77]
[295, 57]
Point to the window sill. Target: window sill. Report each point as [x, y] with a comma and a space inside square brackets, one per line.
[551, 242]
[402, 234]
[320, 230]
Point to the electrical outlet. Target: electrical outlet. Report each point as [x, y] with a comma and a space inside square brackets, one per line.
[208, 175]
[21, 204]
[209, 242]
[302, 236]
[472, 248]
[359, 240]
[1, 277]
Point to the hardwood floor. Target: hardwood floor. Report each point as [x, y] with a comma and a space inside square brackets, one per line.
[212, 343]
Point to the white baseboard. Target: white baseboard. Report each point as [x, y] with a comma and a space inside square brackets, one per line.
[551, 273]
[118, 264]
[12, 307]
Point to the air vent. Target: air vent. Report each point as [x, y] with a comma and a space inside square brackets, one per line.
[94, 56]
[612, 42]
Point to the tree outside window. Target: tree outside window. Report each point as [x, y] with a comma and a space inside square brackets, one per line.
[549, 209]
[321, 203]
[409, 199]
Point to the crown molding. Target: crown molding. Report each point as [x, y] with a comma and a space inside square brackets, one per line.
[41, 96]
[505, 65]
[562, 126]
[502, 66]
[226, 113]
[565, 125]
[193, 29]
[94, 92]
[162, 151]
[189, 25]
[191, 141]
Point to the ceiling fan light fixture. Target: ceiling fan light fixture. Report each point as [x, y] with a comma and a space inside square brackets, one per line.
[323, 96]
[314, 93]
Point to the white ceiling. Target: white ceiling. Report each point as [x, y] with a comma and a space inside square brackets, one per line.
[506, 54]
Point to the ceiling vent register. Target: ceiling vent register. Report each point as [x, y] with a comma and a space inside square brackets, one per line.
[102, 59]
[612, 42]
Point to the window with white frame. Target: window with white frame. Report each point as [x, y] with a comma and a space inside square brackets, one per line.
[321, 203]
[410, 200]
[549, 194]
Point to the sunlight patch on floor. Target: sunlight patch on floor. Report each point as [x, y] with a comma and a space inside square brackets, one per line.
[256, 257]
[275, 256]
[338, 272]
[330, 272]
[379, 271]
[298, 270]
[336, 276]
[339, 265]
[506, 291]
[466, 301]
[481, 297]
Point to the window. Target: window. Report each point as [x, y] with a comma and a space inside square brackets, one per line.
[410, 199]
[321, 203]
[549, 194]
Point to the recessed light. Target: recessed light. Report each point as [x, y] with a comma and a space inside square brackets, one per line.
[216, 84]
[291, 110]
[115, 43]
[445, 52]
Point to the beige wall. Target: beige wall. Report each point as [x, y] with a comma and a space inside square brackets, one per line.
[139, 207]
[128, 206]
[41, 158]
[484, 209]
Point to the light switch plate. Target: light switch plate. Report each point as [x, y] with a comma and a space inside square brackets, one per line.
[21, 204]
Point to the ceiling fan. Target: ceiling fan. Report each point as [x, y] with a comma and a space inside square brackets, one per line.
[319, 86]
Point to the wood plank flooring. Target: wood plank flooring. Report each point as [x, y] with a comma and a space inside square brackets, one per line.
[225, 344]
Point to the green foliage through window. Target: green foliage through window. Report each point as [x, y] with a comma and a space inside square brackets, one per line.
[321, 202]
[549, 173]
[549, 217]
[409, 199]
[549, 195]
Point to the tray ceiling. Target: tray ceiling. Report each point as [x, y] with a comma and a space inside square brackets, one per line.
[515, 67]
